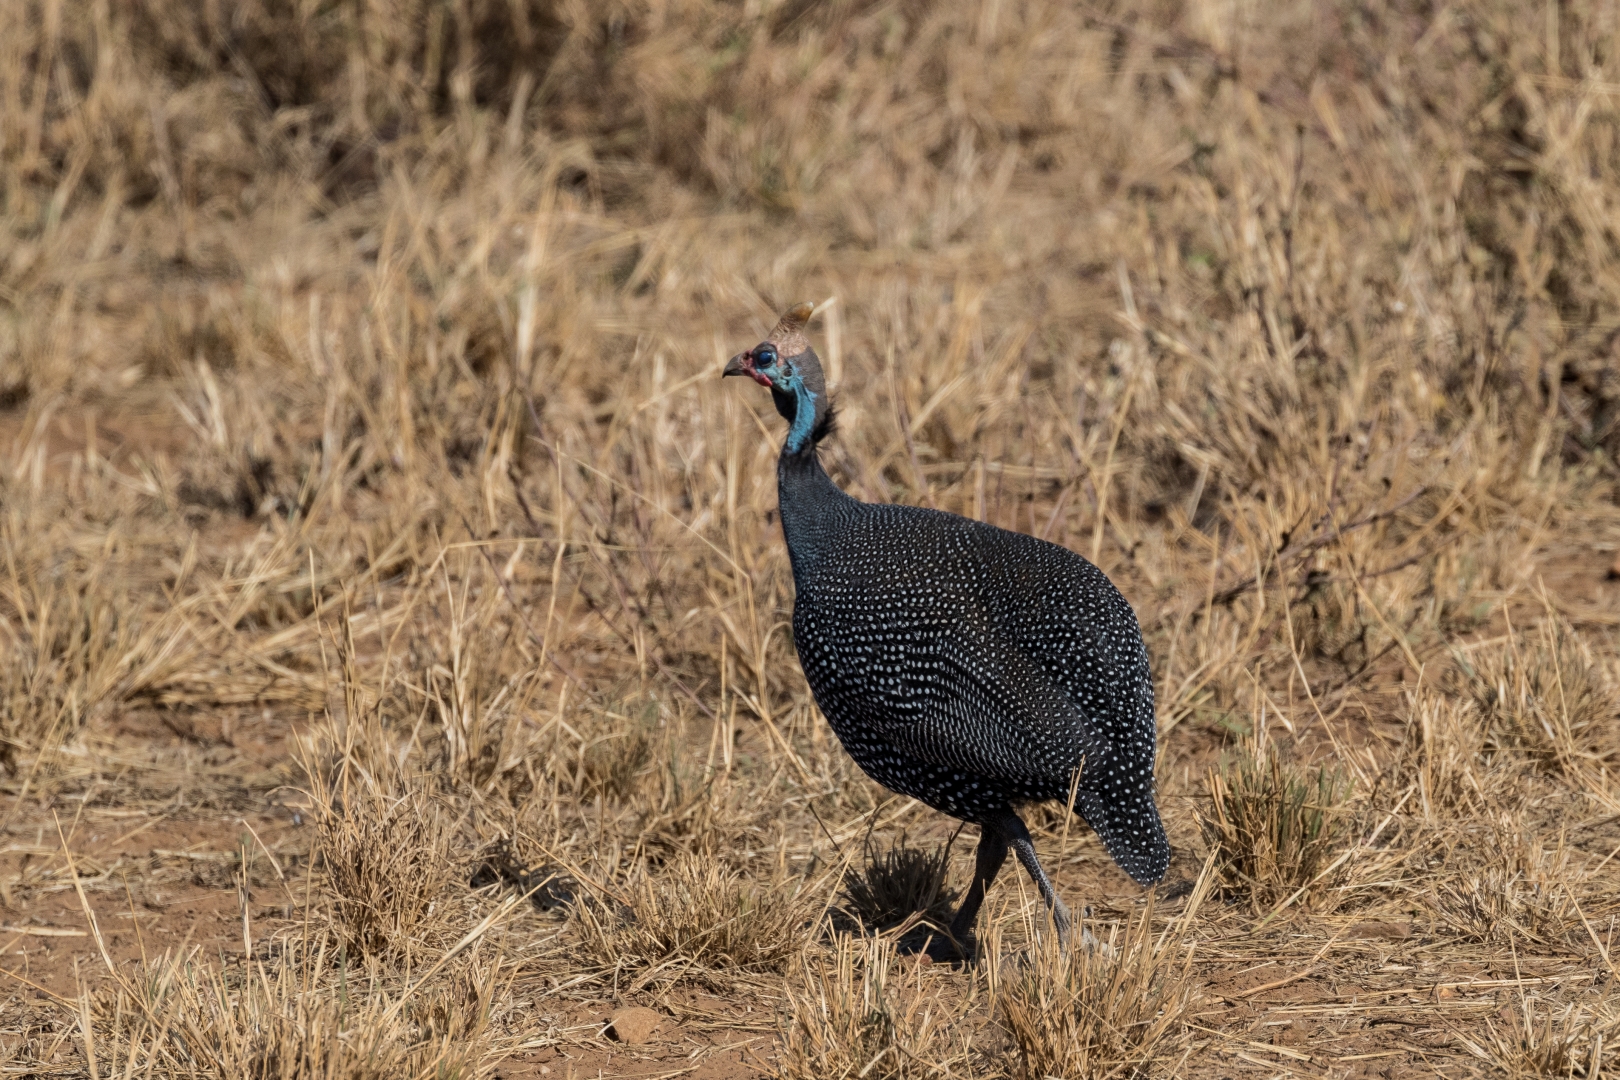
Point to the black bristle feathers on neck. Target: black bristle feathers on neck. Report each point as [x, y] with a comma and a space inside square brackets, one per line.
[826, 425]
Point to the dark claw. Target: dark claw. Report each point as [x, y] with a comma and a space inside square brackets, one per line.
[941, 949]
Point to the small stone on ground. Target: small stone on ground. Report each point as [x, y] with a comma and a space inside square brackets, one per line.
[634, 1025]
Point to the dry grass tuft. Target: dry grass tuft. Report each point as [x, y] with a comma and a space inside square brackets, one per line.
[1273, 826]
[615, 762]
[696, 921]
[477, 683]
[1544, 695]
[1515, 887]
[899, 881]
[1571, 1039]
[1496, 905]
[1113, 1006]
[1442, 757]
[291, 1017]
[63, 639]
[389, 867]
[844, 1022]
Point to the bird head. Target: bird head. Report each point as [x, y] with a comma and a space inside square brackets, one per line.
[786, 364]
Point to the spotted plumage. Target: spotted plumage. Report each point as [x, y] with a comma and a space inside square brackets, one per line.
[960, 664]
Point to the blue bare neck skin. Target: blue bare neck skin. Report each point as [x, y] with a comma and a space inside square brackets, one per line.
[804, 415]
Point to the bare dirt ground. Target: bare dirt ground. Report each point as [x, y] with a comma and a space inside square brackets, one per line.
[395, 669]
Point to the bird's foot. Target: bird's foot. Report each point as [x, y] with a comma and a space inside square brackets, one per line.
[943, 949]
[1092, 943]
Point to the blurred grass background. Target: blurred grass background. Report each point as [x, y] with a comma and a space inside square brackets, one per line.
[1187, 287]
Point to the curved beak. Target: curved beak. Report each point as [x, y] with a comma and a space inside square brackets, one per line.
[741, 364]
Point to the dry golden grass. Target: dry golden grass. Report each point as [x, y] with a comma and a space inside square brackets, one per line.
[387, 857]
[1274, 828]
[849, 1017]
[1116, 1004]
[700, 923]
[378, 543]
[1546, 696]
[272, 1020]
[1443, 758]
[1571, 1040]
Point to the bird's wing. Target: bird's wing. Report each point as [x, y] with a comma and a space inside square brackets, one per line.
[980, 704]
[966, 698]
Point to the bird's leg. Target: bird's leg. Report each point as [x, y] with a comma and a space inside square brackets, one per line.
[991, 854]
[1012, 826]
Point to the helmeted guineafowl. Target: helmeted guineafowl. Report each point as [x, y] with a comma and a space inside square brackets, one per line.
[960, 664]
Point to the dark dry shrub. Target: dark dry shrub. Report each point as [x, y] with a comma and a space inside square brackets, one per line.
[1108, 1006]
[1273, 825]
[1543, 695]
[516, 852]
[695, 921]
[899, 881]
